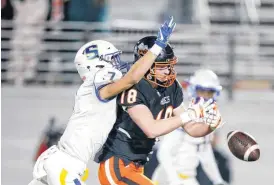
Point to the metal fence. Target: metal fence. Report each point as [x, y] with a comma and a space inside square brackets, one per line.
[43, 54]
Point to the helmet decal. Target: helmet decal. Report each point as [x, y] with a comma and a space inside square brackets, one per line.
[142, 49]
[98, 54]
[91, 52]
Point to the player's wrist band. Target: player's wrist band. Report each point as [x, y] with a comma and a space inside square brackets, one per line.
[185, 117]
[156, 50]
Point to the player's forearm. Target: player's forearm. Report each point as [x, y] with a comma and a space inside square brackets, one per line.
[194, 129]
[135, 74]
[164, 126]
[138, 70]
[197, 129]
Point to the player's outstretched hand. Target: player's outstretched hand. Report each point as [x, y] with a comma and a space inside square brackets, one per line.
[213, 117]
[165, 31]
[206, 111]
[197, 108]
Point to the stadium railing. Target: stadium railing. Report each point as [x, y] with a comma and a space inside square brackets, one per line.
[43, 54]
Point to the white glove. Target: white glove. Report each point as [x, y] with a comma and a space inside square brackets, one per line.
[199, 110]
[213, 117]
[196, 110]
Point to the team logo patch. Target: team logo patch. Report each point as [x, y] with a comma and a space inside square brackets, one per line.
[165, 100]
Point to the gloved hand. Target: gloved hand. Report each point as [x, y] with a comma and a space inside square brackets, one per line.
[164, 32]
[201, 111]
[197, 109]
[213, 117]
[206, 111]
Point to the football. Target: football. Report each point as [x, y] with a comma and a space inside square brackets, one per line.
[243, 146]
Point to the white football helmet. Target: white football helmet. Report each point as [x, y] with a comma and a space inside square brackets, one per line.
[96, 55]
[204, 79]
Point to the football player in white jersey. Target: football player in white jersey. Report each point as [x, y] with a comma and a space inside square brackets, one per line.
[178, 153]
[98, 64]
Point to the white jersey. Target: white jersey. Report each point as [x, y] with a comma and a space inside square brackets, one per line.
[179, 154]
[92, 117]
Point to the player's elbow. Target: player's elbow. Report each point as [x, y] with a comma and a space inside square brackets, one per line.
[148, 131]
[150, 134]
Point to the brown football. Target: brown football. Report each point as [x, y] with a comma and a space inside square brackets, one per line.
[243, 146]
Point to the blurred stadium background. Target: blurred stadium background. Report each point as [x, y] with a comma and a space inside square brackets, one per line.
[39, 38]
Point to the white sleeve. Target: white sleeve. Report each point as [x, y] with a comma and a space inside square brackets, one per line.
[104, 77]
[164, 155]
[209, 164]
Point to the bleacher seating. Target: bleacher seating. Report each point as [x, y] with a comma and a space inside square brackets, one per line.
[225, 46]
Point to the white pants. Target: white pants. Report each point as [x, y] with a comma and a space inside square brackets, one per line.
[56, 167]
[190, 181]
